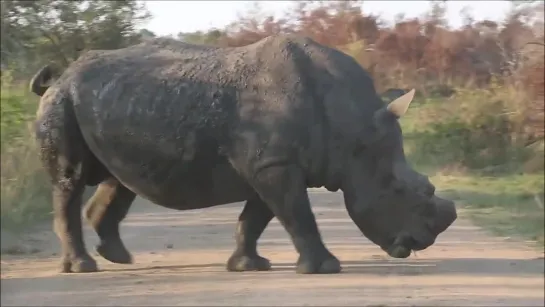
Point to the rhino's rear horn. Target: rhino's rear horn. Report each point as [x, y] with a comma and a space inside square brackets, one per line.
[399, 106]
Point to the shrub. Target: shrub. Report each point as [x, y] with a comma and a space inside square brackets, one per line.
[478, 128]
[25, 191]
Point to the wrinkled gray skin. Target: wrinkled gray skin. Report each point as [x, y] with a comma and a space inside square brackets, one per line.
[188, 127]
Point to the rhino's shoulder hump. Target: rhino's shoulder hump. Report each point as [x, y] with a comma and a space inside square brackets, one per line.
[176, 46]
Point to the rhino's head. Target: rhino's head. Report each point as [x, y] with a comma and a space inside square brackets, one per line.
[393, 205]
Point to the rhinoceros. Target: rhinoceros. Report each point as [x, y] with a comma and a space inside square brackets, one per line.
[191, 126]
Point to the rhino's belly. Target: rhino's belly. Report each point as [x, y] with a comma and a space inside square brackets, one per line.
[171, 182]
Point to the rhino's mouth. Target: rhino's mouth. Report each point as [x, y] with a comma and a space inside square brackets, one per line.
[397, 250]
[423, 236]
[404, 244]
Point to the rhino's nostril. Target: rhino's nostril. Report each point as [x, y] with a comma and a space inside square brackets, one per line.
[431, 225]
[430, 190]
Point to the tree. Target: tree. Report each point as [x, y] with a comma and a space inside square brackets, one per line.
[57, 31]
[145, 33]
[437, 14]
[211, 37]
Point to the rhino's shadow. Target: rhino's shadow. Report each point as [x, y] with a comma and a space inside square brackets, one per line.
[458, 266]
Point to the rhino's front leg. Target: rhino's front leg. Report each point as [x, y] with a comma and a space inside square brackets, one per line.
[283, 189]
[251, 223]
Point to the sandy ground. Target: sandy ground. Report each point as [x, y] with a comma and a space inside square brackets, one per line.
[180, 260]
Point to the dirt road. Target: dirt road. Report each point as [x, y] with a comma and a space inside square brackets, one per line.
[180, 259]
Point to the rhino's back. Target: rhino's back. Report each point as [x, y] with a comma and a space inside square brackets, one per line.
[168, 58]
[149, 116]
[160, 113]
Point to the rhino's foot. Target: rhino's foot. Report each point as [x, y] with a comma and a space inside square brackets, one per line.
[243, 263]
[114, 251]
[84, 264]
[315, 265]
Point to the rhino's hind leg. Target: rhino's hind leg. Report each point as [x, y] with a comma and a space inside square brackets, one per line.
[251, 223]
[67, 161]
[105, 210]
[67, 194]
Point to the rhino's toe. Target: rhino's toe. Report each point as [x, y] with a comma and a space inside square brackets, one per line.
[243, 263]
[114, 251]
[330, 265]
[79, 265]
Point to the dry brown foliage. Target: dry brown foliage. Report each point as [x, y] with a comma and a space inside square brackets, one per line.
[421, 53]
[534, 83]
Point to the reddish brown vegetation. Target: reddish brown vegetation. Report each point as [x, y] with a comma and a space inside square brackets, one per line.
[421, 53]
[533, 81]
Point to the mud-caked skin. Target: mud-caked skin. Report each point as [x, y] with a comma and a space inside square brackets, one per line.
[189, 126]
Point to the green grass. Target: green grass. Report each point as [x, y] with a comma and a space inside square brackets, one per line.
[506, 206]
[502, 199]
[25, 192]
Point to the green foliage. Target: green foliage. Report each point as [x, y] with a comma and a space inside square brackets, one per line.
[507, 205]
[473, 146]
[44, 31]
[35, 33]
[476, 129]
[25, 191]
[480, 170]
[212, 37]
[17, 110]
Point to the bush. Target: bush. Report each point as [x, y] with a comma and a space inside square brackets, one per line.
[478, 128]
[25, 191]
[419, 52]
[487, 74]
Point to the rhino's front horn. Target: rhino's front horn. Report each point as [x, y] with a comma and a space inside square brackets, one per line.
[399, 106]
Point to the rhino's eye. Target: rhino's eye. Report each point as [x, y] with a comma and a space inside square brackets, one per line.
[358, 150]
[428, 209]
[398, 187]
[387, 180]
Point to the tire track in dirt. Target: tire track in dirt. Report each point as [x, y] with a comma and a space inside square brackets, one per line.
[180, 260]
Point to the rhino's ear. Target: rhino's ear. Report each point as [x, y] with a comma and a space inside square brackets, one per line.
[399, 106]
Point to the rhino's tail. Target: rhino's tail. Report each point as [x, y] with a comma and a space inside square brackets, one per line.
[41, 80]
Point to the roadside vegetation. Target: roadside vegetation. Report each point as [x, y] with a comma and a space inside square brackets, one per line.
[476, 126]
